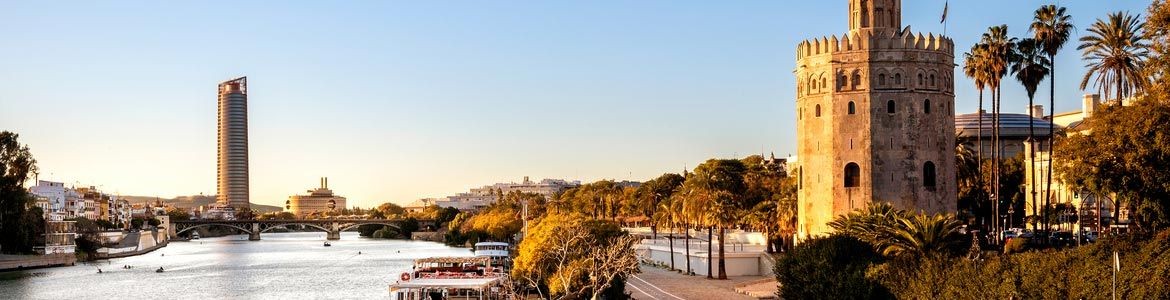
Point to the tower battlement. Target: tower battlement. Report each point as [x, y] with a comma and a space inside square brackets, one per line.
[867, 41]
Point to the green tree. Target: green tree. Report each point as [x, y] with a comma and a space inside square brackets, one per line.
[1115, 50]
[832, 267]
[976, 65]
[720, 182]
[21, 226]
[178, 214]
[1051, 27]
[390, 210]
[1123, 150]
[1000, 50]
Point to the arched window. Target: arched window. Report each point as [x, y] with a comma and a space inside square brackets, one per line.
[919, 79]
[890, 106]
[926, 106]
[897, 78]
[852, 175]
[881, 79]
[932, 80]
[856, 79]
[823, 83]
[817, 113]
[852, 107]
[843, 83]
[928, 178]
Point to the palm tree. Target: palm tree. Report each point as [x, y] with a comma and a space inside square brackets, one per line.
[919, 235]
[666, 215]
[975, 64]
[1030, 67]
[866, 224]
[1116, 50]
[1052, 27]
[1000, 50]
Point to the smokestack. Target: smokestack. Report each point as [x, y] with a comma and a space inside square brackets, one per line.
[1037, 111]
[326, 183]
[1088, 104]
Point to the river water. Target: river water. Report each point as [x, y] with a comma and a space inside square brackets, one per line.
[280, 266]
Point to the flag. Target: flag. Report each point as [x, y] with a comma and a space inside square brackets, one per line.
[946, 5]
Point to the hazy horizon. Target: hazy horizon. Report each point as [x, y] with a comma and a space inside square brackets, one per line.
[401, 101]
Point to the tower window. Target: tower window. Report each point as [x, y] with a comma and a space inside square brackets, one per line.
[852, 108]
[881, 79]
[928, 178]
[898, 79]
[919, 79]
[817, 113]
[931, 80]
[823, 83]
[852, 175]
[856, 79]
[844, 82]
[890, 106]
[926, 106]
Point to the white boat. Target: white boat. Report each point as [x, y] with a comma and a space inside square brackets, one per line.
[450, 278]
[498, 253]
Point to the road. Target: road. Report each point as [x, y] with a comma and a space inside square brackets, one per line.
[659, 284]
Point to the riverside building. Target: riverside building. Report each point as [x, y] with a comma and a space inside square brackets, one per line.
[320, 200]
[875, 118]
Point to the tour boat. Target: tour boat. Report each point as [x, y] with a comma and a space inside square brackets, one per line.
[497, 252]
[450, 278]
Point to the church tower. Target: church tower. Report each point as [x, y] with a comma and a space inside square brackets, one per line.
[875, 119]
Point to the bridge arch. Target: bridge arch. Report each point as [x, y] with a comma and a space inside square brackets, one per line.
[272, 226]
[344, 227]
[185, 229]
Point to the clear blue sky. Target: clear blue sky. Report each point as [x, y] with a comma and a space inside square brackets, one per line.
[396, 101]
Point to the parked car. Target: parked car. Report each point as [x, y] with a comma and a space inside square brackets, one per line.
[1089, 236]
[1061, 239]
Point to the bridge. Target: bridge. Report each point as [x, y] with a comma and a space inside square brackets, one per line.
[333, 227]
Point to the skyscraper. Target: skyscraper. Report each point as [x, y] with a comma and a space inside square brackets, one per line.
[875, 118]
[232, 158]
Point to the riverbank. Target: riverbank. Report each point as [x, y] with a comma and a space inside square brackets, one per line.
[24, 262]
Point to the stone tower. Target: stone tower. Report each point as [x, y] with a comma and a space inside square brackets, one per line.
[875, 118]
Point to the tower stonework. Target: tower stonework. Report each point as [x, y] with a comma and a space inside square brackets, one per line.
[875, 119]
[232, 154]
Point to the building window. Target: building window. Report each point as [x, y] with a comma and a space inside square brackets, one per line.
[800, 178]
[852, 108]
[898, 79]
[890, 106]
[928, 178]
[852, 175]
[881, 79]
[856, 79]
[919, 79]
[823, 83]
[818, 111]
[844, 82]
[932, 80]
[926, 106]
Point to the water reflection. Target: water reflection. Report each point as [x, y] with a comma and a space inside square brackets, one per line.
[282, 265]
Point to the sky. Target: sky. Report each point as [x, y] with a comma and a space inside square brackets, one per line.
[401, 100]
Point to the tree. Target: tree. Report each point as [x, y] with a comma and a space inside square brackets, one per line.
[1115, 51]
[1124, 150]
[1051, 28]
[153, 222]
[976, 65]
[720, 182]
[832, 267]
[178, 214]
[1000, 52]
[1030, 67]
[565, 256]
[652, 193]
[920, 235]
[18, 223]
[391, 210]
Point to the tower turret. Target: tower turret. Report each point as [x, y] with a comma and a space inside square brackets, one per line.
[874, 16]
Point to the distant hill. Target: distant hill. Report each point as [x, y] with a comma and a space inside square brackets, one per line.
[193, 202]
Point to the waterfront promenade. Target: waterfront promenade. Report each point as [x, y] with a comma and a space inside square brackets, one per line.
[20, 262]
[660, 284]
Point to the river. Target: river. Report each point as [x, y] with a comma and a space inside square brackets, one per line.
[281, 265]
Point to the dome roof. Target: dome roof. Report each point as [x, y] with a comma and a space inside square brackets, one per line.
[1010, 124]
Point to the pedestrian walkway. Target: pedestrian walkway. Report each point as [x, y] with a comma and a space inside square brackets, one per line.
[659, 284]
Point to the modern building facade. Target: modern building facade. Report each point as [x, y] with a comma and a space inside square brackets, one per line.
[232, 157]
[320, 200]
[875, 119]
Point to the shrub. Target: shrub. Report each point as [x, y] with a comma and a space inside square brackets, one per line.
[832, 267]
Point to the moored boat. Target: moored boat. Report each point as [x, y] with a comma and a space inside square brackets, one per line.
[450, 278]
